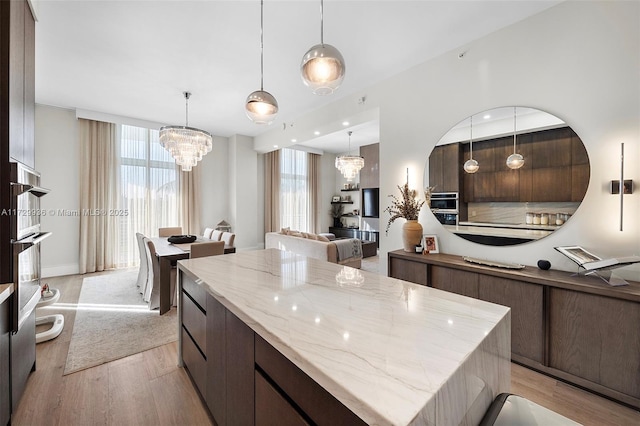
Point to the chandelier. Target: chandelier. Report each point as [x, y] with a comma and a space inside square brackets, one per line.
[261, 106]
[322, 66]
[186, 144]
[349, 165]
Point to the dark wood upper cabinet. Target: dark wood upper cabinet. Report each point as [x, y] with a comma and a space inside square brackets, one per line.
[445, 168]
[556, 168]
[370, 173]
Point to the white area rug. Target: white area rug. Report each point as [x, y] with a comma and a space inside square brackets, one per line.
[113, 322]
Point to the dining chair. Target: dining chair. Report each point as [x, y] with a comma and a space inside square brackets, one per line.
[143, 272]
[212, 248]
[207, 233]
[151, 294]
[228, 238]
[167, 232]
[216, 235]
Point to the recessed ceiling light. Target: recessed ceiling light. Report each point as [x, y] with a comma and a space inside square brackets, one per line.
[345, 123]
[275, 146]
[486, 117]
[316, 133]
[294, 140]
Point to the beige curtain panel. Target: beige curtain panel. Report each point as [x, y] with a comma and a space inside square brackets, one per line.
[98, 194]
[189, 199]
[313, 191]
[272, 191]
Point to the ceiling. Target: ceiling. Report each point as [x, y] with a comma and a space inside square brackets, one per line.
[135, 58]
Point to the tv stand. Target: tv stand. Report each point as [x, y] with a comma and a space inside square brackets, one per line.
[356, 233]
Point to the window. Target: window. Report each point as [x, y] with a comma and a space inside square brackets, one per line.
[148, 193]
[294, 197]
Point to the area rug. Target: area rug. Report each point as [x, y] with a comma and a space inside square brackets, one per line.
[113, 322]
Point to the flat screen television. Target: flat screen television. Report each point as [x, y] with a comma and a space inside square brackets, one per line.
[370, 202]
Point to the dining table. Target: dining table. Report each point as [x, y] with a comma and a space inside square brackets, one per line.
[167, 254]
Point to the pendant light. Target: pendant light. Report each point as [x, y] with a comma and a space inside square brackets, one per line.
[349, 165]
[471, 166]
[186, 144]
[514, 161]
[261, 107]
[322, 66]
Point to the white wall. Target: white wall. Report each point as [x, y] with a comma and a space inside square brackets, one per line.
[214, 188]
[242, 179]
[57, 153]
[578, 61]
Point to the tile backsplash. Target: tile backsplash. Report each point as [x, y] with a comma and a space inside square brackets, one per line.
[514, 213]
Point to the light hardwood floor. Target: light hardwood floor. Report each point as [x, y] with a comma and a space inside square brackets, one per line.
[149, 388]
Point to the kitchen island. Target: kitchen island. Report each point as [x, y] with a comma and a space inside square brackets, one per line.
[272, 335]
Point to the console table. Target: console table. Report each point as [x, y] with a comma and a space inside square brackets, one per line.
[575, 328]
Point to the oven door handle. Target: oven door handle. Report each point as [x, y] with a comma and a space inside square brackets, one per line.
[25, 243]
[20, 188]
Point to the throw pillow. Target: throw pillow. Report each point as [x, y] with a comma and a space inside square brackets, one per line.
[284, 231]
[323, 238]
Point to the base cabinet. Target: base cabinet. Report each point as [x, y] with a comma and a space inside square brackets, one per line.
[242, 378]
[577, 329]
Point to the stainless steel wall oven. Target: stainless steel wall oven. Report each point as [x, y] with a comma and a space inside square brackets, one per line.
[445, 207]
[26, 236]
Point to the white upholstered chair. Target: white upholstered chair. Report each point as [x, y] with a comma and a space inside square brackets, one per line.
[212, 248]
[216, 235]
[207, 233]
[167, 232]
[228, 238]
[143, 272]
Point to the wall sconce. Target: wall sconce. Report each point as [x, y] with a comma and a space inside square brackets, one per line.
[626, 185]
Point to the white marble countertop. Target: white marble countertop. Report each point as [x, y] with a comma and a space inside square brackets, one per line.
[393, 352]
[498, 231]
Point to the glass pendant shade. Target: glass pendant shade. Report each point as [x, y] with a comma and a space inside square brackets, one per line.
[261, 107]
[515, 161]
[471, 166]
[349, 165]
[187, 145]
[323, 69]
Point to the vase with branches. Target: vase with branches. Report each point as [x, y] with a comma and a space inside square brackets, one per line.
[406, 207]
[336, 212]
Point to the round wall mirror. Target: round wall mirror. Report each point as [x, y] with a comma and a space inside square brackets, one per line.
[507, 176]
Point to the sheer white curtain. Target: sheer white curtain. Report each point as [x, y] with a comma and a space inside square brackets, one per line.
[295, 196]
[149, 196]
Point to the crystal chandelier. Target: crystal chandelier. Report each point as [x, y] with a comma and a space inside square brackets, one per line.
[186, 144]
[261, 106]
[322, 66]
[349, 165]
[515, 161]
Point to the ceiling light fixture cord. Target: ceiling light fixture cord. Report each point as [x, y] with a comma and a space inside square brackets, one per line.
[471, 137]
[322, 22]
[349, 152]
[261, 44]
[514, 130]
[187, 95]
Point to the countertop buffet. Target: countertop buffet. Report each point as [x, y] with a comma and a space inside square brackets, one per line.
[388, 351]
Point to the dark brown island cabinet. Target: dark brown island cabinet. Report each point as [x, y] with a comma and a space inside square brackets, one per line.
[575, 328]
[241, 377]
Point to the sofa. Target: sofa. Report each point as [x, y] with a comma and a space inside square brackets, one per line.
[346, 251]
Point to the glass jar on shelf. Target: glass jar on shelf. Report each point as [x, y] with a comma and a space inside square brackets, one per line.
[528, 218]
[536, 218]
[544, 218]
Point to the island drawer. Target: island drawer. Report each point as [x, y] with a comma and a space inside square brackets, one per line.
[197, 293]
[271, 405]
[319, 405]
[195, 321]
[195, 362]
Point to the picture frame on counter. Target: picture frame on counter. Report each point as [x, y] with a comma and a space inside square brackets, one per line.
[335, 199]
[430, 244]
